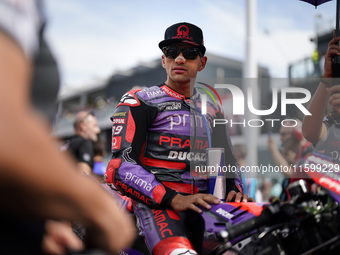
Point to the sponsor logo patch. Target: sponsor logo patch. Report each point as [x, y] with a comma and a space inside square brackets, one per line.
[225, 213]
[138, 181]
[118, 121]
[184, 155]
[119, 114]
[155, 93]
[170, 106]
[116, 141]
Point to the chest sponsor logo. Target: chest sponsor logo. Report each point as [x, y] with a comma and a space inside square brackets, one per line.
[177, 120]
[182, 120]
[155, 93]
[170, 106]
[184, 155]
[182, 143]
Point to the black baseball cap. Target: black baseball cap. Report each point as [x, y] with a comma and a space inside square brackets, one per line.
[183, 32]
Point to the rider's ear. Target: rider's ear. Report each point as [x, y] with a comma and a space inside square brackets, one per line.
[203, 63]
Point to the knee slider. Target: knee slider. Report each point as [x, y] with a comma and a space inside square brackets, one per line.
[183, 251]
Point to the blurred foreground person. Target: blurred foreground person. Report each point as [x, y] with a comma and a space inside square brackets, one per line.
[294, 147]
[81, 144]
[293, 144]
[37, 182]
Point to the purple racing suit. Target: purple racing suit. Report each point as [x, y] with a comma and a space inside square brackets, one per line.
[159, 139]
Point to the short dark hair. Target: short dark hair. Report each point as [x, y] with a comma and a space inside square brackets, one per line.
[79, 118]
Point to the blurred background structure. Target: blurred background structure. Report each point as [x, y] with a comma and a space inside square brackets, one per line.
[103, 52]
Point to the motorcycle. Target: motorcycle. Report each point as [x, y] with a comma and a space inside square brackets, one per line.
[216, 220]
[308, 223]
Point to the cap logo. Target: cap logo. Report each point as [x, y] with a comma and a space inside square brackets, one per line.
[182, 33]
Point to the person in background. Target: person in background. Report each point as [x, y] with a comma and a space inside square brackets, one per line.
[99, 152]
[249, 182]
[39, 187]
[294, 147]
[81, 144]
[276, 189]
[320, 129]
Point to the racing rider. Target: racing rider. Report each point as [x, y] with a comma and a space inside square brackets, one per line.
[159, 135]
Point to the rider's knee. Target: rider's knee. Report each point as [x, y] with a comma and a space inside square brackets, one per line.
[174, 246]
[182, 251]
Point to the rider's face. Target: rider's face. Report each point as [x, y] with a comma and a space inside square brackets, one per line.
[286, 137]
[91, 128]
[180, 70]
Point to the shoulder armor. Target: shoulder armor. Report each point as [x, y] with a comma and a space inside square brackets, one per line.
[130, 98]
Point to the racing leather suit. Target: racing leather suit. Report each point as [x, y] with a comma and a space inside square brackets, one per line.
[159, 139]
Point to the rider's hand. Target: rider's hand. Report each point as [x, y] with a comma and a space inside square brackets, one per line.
[234, 196]
[334, 99]
[333, 50]
[59, 237]
[271, 144]
[182, 203]
[111, 233]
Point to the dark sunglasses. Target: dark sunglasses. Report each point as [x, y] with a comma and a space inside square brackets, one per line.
[188, 53]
